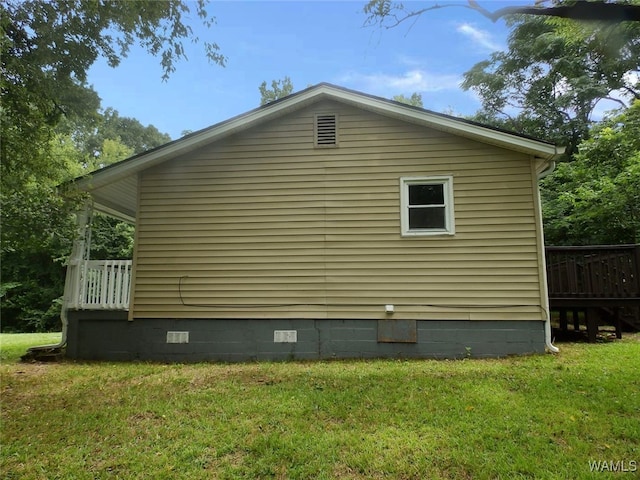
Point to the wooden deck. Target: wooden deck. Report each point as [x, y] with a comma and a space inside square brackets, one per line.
[597, 284]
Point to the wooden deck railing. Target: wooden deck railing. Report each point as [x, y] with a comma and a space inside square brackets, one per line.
[102, 285]
[594, 272]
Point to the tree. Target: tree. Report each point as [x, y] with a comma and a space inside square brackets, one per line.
[279, 89]
[554, 74]
[46, 49]
[596, 197]
[112, 137]
[38, 233]
[111, 126]
[36, 237]
[414, 100]
[388, 14]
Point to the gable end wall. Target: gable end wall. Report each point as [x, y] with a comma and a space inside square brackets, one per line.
[264, 225]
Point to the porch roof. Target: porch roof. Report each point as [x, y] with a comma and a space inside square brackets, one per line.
[115, 188]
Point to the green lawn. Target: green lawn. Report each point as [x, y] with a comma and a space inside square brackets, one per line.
[14, 345]
[526, 417]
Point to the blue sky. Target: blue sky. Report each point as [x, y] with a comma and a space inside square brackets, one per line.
[311, 42]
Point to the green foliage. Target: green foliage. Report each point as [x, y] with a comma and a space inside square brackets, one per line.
[36, 216]
[596, 197]
[36, 236]
[46, 51]
[33, 303]
[554, 74]
[548, 84]
[414, 100]
[52, 130]
[7, 287]
[390, 14]
[110, 127]
[111, 239]
[38, 231]
[279, 89]
[38, 227]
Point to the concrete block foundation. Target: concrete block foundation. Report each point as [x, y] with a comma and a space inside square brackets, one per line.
[108, 335]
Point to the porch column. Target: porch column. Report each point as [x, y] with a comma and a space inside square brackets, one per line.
[79, 254]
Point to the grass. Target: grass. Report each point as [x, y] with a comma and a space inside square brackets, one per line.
[14, 345]
[523, 417]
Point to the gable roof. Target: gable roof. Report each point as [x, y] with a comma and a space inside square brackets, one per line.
[114, 188]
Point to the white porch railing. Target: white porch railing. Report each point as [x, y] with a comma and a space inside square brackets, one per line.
[101, 285]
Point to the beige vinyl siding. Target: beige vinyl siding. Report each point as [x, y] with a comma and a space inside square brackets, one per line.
[264, 225]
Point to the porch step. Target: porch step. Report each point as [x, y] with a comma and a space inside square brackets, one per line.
[37, 354]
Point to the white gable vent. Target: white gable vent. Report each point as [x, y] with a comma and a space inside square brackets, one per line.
[326, 131]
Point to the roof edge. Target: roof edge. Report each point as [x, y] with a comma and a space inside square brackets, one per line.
[461, 126]
[195, 140]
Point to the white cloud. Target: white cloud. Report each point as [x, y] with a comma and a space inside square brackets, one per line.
[409, 62]
[415, 80]
[482, 38]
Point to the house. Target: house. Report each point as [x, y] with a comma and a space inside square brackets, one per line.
[327, 224]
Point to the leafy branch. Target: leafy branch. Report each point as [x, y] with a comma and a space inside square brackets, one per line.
[388, 14]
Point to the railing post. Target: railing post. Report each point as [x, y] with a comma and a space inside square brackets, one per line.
[126, 290]
[82, 288]
[117, 283]
[636, 267]
[104, 287]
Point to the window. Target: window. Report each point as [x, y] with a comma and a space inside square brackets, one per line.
[326, 130]
[427, 206]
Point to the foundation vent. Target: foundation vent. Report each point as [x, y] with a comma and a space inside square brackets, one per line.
[177, 337]
[285, 336]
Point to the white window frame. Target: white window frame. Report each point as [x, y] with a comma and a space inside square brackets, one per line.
[447, 182]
